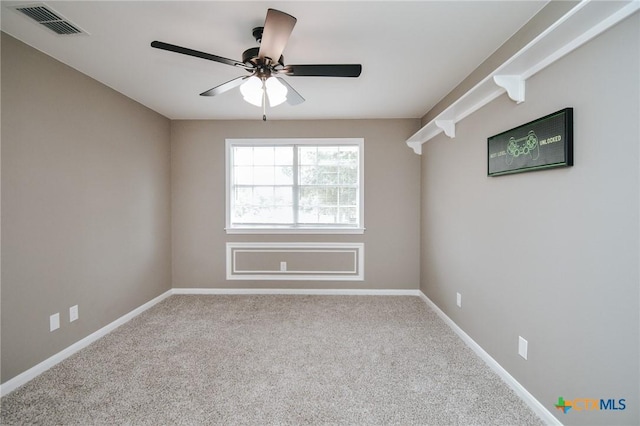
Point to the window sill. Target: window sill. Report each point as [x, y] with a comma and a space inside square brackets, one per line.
[337, 231]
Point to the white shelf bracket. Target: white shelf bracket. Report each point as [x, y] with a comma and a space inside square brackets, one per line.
[416, 146]
[513, 84]
[582, 23]
[448, 126]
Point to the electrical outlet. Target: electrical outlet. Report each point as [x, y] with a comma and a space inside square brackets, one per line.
[283, 266]
[73, 313]
[523, 347]
[459, 300]
[54, 322]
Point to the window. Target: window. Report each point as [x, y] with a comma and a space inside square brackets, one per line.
[294, 185]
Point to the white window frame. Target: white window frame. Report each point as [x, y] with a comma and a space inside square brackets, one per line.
[323, 229]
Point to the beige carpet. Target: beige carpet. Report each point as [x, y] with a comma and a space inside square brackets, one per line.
[264, 360]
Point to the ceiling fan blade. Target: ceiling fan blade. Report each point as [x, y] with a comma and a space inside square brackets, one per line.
[225, 86]
[333, 70]
[197, 54]
[293, 97]
[277, 29]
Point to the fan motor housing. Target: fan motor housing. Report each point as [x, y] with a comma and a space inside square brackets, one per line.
[250, 57]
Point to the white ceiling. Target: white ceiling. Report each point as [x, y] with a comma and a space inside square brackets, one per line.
[413, 53]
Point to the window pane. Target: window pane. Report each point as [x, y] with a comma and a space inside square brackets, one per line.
[309, 196]
[348, 175]
[284, 175]
[284, 155]
[281, 215]
[330, 197]
[348, 215]
[348, 155]
[283, 196]
[263, 175]
[328, 175]
[307, 155]
[308, 175]
[327, 154]
[252, 214]
[243, 175]
[318, 205]
[263, 156]
[348, 197]
[328, 215]
[318, 196]
[243, 196]
[308, 216]
[317, 215]
[245, 213]
[262, 215]
[243, 156]
[263, 195]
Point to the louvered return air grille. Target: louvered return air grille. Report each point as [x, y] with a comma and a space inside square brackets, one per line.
[45, 16]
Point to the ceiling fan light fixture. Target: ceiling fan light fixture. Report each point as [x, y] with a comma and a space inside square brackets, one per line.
[252, 91]
[272, 38]
[276, 91]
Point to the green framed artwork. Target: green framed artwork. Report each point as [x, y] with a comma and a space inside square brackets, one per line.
[540, 144]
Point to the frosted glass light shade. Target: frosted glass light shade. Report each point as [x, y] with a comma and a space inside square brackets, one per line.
[252, 91]
[276, 91]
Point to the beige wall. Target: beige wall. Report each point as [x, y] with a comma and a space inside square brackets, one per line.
[551, 256]
[85, 205]
[392, 201]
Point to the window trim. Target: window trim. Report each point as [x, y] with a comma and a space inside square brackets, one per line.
[286, 229]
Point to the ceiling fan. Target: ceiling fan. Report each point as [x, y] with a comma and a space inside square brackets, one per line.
[265, 65]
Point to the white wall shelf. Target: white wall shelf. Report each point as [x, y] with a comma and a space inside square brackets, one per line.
[582, 23]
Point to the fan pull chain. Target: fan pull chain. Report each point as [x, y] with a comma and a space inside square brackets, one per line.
[264, 103]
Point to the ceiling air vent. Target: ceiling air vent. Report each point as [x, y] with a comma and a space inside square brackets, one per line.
[44, 15]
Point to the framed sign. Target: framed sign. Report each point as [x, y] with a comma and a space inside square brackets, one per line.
[540, 144]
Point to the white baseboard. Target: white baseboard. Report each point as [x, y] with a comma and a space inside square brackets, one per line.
[22, 378]
[317, 292]
[520, 390]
